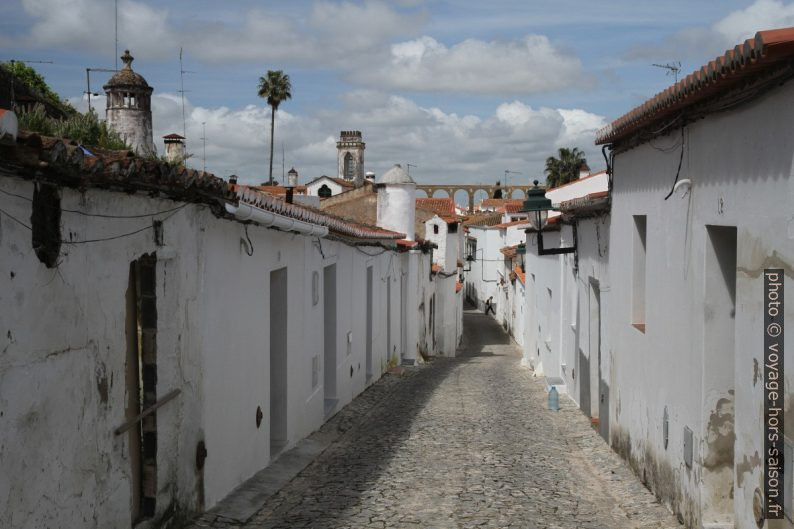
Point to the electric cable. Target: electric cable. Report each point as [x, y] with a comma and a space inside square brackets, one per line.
[102, 215]
[680, 160]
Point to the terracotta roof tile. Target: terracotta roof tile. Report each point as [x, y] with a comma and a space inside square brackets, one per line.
[520, 274]
[520, 222]
[499, 202]
[767, 51]
[440, 206]
[509, 251]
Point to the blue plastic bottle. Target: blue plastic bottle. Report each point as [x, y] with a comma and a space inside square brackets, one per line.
[554, 399]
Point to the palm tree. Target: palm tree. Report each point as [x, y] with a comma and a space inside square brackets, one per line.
[275, 87]
[564, 168]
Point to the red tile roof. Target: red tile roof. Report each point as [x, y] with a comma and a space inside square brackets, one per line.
[346, 228]
[509, 251]
[598, 201]
[520, 274]
[514, 208]
[407, 244]
[440, 206]
[280, 190]
[520, 222]
[768, 51]
[499, 202]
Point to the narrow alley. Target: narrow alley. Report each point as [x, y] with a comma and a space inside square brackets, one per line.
[461, 442]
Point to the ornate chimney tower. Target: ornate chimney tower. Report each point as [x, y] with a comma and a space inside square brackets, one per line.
[129, 110]
[350, 156]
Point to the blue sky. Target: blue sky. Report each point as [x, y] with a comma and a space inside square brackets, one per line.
[464, 90]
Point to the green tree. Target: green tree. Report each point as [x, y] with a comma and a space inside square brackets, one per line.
[36, 83]
[275, 86]
[565, 167]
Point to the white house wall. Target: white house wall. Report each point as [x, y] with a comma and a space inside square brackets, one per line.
[62, 371]
[740, 165]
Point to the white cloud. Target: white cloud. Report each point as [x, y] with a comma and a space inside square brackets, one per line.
[724, 34]
[89, 25]
[528, 65]
[357, 40]
[445, 147]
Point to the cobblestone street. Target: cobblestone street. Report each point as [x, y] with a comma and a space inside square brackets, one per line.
[459, 443]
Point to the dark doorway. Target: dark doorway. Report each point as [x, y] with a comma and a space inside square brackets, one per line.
[141, 383]
[278, 360]
[329, 340]
[368, 346]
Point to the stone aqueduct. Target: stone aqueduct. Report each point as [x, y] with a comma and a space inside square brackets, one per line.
[507, 191]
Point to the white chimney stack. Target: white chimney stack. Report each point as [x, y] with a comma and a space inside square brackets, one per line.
[397, 202]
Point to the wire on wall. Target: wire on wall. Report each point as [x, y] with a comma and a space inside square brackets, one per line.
[101, 239]
[680, 160]
[250, 244]
[102, 215]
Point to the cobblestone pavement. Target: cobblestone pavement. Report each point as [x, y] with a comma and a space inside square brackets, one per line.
[459, 443]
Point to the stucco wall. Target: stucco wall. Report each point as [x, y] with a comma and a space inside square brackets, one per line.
[740, 165]
[63, 360]
[313, 188]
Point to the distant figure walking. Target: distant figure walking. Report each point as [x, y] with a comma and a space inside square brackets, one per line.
[489, 306]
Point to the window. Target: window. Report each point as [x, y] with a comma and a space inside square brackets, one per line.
[435, 229]
[349, 166]
[324, 191]
[639, 273]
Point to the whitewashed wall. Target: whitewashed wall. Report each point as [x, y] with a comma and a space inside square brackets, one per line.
[313, 187]
[740, 165]
[62, 368]
[542, 349]
[487, 269]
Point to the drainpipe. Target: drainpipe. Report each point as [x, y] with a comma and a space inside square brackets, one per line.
[265, 218]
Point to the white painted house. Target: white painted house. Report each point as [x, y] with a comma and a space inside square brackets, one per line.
[702, 204]
[130, 285]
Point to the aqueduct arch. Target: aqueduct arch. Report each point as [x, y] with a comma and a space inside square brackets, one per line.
[471, 189]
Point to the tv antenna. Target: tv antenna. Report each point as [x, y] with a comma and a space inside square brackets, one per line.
[204, 148]
[672, 68]
[508, 172]
[88, 82]
[182, 73]
[116, 14]
[408, 166]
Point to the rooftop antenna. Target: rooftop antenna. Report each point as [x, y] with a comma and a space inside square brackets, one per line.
[116, 7]
[672, 68]
[13, 77]
[182, 73]
[204, 148]
[508, 172]
[282, 163]
[88, 82]
[408, 166]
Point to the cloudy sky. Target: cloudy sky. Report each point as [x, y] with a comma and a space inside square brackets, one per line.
[463, 90]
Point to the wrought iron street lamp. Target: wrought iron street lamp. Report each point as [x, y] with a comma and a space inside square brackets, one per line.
[538, 206]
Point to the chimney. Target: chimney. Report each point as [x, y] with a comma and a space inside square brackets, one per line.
[397, 202]
[233, 179]
[370, 177]
[584, 170]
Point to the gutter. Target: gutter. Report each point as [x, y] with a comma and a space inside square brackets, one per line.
[245, 212]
